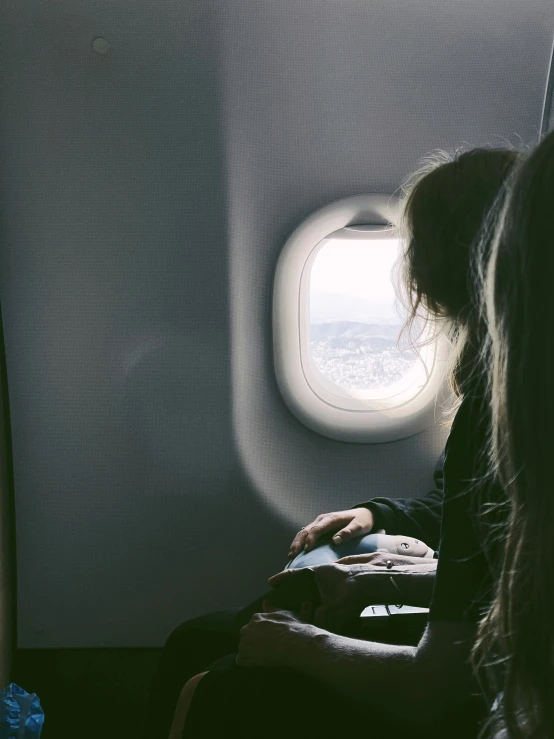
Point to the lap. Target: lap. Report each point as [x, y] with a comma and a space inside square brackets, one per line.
[190, 649]
[248, 703]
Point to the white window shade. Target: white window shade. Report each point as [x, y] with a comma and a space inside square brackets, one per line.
[336, 325]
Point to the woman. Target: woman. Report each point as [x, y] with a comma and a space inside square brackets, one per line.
[519, 630]
[442, 215]
[195, 644]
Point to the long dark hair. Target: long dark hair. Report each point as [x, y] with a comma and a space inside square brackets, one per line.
[516, 639]
[443, 206]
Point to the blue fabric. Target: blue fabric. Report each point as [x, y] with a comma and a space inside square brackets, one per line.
[325, 551]
[329, 552]
[21, 715]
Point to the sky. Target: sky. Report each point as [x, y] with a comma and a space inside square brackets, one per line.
[357, 268]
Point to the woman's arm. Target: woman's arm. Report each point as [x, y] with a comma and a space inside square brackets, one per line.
[417, 517]
[426, 681]
[429, 679]
[417, 683]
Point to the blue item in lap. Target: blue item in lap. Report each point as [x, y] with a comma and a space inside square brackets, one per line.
[326, 551]
[21, 715]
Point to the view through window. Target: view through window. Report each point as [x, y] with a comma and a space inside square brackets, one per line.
[355, 318]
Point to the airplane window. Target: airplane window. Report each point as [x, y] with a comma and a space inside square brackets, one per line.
[355, 320]
[339, 363]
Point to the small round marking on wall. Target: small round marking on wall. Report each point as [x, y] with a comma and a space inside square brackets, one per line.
[101, 46]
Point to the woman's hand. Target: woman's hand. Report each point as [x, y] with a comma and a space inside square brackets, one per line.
[344, 524]
[274, 638]
[342, 600]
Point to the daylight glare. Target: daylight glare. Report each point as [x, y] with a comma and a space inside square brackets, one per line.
[354, 322]
[360, 268]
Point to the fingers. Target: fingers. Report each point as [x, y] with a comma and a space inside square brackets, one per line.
[326, 523]
[307, 537]
[315, 532]
[346, 524]
[297, 543]
[360, 524]
[348, 532]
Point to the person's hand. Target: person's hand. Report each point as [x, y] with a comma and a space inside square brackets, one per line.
[380, 559]
[344, 525]
[342, 600]
[274, 638]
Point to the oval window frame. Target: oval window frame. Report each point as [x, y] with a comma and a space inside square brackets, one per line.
[311, 401]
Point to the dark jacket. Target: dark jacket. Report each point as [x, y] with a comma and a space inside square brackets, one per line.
[419, 518]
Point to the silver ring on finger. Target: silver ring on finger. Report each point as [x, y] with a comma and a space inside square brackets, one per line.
[389, 564]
